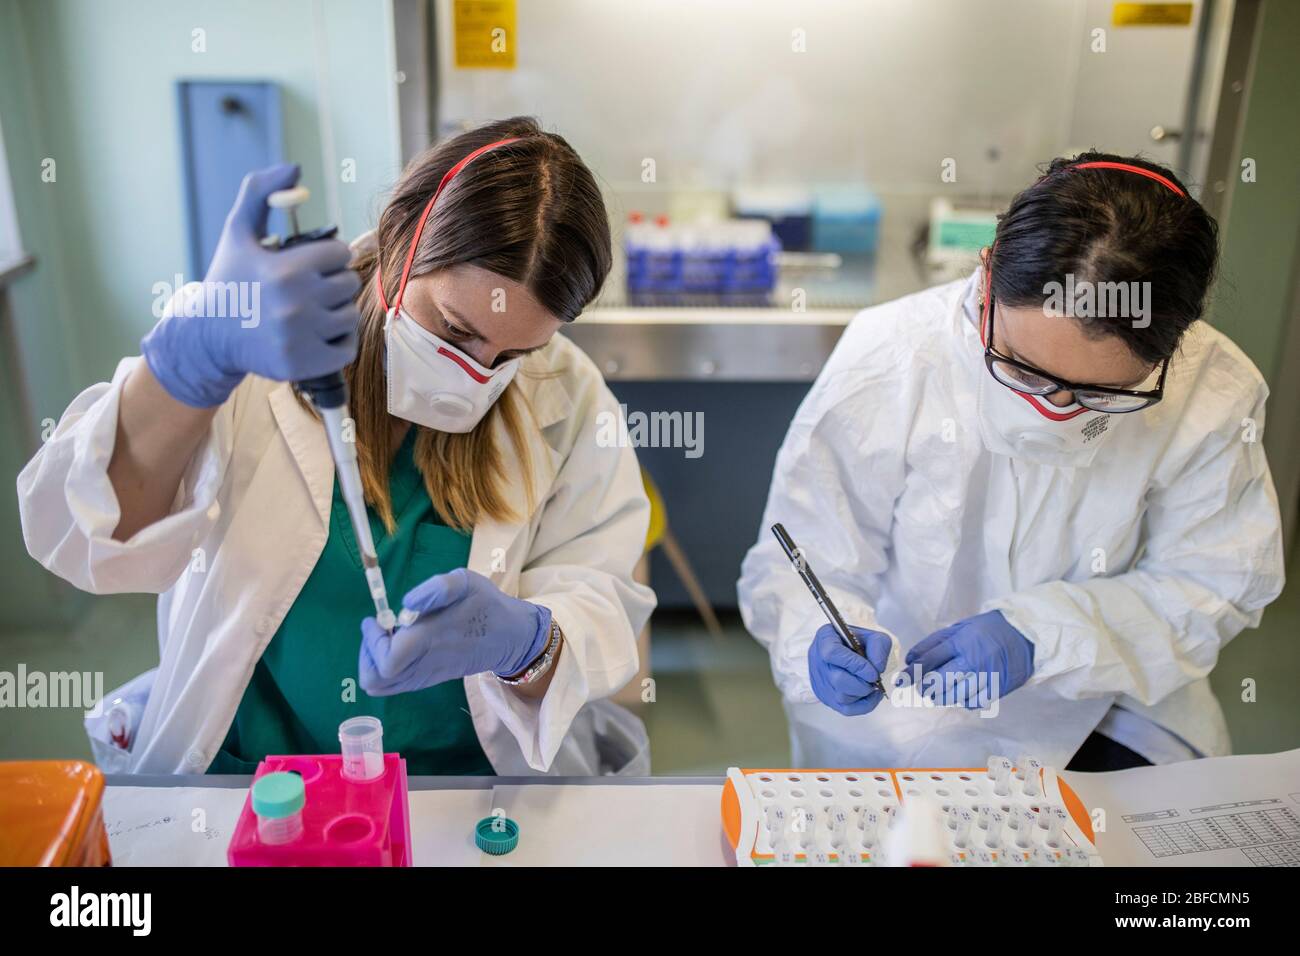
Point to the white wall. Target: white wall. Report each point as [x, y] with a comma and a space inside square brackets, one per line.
[103, 103]
[90, 85]
[1140, 81]
[887, 89]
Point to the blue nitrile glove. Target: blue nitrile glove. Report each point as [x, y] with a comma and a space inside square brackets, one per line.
[841, 679]
[965, 655]
[466, 626]
[269, 312]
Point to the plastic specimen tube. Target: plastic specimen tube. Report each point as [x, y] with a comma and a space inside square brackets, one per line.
[361, 740]
[278, 799]
[1000, 772]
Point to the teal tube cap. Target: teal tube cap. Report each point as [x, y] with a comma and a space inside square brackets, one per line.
[278, 795]
[496, 835]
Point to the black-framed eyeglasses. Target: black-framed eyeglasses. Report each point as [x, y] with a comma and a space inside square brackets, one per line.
[1034, 381]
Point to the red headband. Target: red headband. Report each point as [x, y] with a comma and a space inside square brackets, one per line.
[1130, 168]
[1099, 164]
[419, 228]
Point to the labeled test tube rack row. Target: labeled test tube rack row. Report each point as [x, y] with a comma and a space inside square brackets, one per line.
[1007, 814]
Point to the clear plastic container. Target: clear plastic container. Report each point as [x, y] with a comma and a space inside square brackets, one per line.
[273, 831]
[278, 799]
[361, 740]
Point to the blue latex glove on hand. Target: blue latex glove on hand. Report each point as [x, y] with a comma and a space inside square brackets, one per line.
[289, 304]
[967, 654]
[841, 679]
[466, 626]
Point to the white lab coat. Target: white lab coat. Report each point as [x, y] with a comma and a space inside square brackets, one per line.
[1128, 575]
[256, 499]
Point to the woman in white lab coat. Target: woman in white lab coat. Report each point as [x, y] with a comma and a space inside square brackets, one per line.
[1053, 513]
[201, 474]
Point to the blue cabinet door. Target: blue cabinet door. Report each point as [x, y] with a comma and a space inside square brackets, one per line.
[227, 129]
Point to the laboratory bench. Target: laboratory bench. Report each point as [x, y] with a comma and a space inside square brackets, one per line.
[1235, 811]
[647, 821]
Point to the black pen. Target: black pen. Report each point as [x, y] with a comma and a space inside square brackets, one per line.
[796, 556]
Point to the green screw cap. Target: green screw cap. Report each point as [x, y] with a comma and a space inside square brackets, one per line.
[278, 795]
[496, 835]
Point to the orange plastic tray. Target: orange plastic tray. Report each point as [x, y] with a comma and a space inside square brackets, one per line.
[51, 814]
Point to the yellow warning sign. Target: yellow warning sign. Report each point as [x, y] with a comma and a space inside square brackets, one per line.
[1151, 14]
[484, 34]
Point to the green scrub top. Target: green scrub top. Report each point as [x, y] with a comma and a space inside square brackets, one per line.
[306, 684]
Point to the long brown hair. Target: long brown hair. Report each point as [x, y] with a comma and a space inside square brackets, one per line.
[530, 211]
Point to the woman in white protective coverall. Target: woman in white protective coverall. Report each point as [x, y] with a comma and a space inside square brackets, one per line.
[1039, 495]
[506, 530]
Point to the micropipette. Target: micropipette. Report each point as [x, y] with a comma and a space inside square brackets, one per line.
[329, 393]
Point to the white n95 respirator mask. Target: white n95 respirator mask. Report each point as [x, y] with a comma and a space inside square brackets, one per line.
[433, 383]
[1032, 429]
[430, 381]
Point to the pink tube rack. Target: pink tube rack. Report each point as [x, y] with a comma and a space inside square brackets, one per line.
[345, 822]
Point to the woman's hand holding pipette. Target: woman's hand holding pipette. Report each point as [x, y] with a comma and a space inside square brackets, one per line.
[464, 625]
[284, 314]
